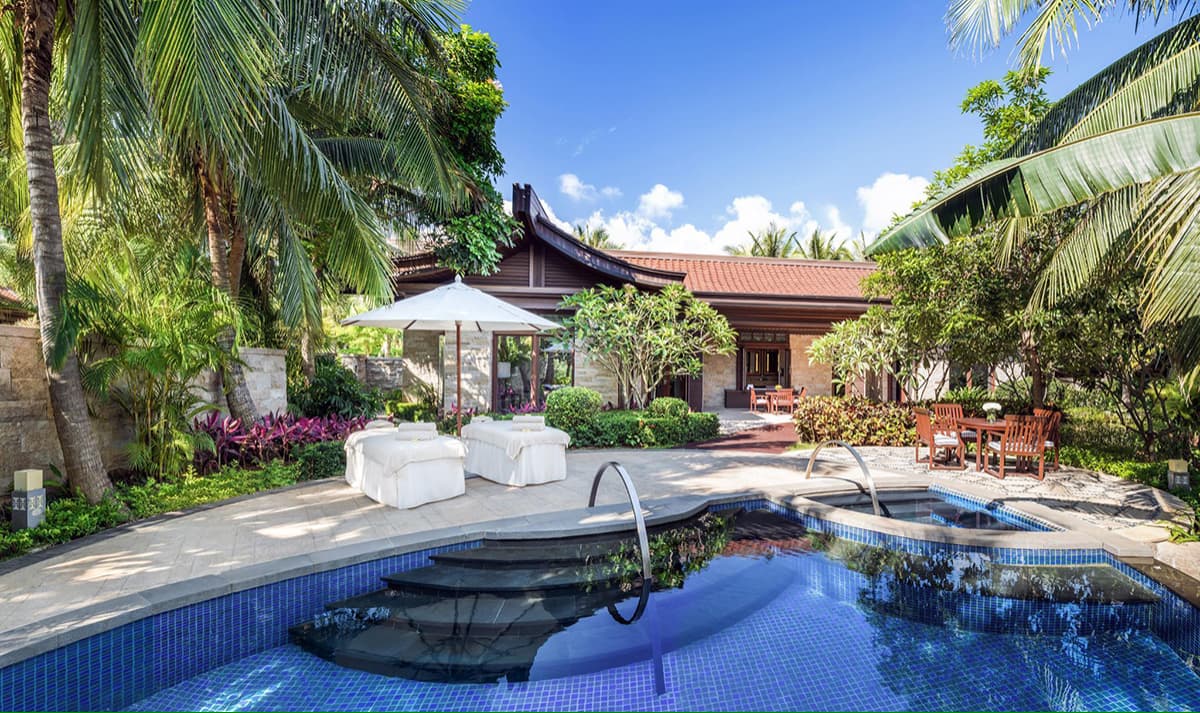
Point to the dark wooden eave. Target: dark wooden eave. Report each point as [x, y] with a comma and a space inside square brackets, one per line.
[422, 269]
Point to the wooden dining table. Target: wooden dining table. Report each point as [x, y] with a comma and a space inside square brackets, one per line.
[981, 427]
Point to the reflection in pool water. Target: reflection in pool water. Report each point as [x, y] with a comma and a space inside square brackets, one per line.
[779, 618]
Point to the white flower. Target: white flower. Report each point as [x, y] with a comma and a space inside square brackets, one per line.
[991, 406]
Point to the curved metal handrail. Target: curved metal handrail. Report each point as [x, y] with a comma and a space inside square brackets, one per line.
[812, 459]
[643, 539]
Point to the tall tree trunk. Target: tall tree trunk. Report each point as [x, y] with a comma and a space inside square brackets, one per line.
[81, 450]
[1037, 372]
[237, 394]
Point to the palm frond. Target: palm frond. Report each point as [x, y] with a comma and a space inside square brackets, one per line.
[1056, 178]
[1104, 226]
[1157, 78]
[207, 65]
[105, 103]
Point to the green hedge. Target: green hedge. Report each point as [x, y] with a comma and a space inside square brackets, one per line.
[855, 420]
[668, 407]
[314, 461]
[411, 411]
[571, 408]
[638, 429]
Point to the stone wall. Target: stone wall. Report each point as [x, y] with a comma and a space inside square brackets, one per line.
[589, 375]
[818, 378]
[28, 437]
[422, 363]
[720, 373]
[384, 373]
[476, 371]
[266, 377]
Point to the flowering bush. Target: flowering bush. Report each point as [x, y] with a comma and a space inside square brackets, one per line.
[273, 437]
[857, 421]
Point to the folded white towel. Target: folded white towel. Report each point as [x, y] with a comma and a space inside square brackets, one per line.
[417, 427]
[529, 419]
[529, 426]
[414, 435]
[380, 423]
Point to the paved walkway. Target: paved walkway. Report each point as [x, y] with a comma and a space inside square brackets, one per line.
[327, 515]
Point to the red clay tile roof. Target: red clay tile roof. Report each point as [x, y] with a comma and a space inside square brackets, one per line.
[758, 275]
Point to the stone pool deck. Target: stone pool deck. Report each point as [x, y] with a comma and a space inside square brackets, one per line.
[158, 564]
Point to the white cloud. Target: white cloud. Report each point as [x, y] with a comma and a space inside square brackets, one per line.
[745, 214]
[575, 189]
[890, 194]
[660, 202]
[843, 232]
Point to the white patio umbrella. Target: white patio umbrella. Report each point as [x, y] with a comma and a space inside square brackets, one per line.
[454, 306]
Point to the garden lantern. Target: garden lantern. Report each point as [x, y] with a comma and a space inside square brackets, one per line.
[1177, 475]
[28, 499]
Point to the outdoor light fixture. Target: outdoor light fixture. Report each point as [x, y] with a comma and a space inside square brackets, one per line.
[28, 499]
[1177, 475]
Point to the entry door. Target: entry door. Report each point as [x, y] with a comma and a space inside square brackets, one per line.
[765, 368]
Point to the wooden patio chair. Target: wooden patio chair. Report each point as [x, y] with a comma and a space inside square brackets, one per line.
[756, 400]
[1024, 439]
[784, 399]
[947, 415]
[800, 395]
[935, 440]
[1053, 423]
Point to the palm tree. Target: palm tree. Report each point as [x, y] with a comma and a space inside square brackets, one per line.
[1122, 149]
[771, 241]
[822, 246]
[596, 237]
[270, 109]
[34, 26]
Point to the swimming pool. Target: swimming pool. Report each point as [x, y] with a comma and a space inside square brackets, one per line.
[770, 617]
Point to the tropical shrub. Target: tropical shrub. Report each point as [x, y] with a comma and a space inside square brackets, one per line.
[971, 398]
[315, 461]
[274, 437]
[334, 390]
[572, 407]
[857, 421]
[637, 429]
[147, 324]
[668, 406]
[410, 411]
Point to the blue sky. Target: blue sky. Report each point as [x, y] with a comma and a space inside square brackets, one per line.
[681, 125]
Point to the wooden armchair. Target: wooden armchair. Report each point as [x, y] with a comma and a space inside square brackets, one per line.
[1024, 439]
[947, 416]
[1053, 423]
[783, 399]
[938, 439]
[756, 400]
[802, 393]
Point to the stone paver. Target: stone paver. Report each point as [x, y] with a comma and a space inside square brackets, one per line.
[736, 420]
[304, 522]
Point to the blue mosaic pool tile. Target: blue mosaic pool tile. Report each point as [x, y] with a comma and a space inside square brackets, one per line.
[231, 652]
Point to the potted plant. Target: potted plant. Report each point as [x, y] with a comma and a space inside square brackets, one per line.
[991, 408]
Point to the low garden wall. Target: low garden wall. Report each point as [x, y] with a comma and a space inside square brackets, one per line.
[28, 437]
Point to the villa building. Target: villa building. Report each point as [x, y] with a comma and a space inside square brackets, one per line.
[777, 306]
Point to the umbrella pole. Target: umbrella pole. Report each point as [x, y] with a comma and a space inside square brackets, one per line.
[458, 370]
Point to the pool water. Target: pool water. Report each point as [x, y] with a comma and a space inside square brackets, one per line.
[763, 615]
[933, 508]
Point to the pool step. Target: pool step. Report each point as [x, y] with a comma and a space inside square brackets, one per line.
[493, 553]
[504, 580]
